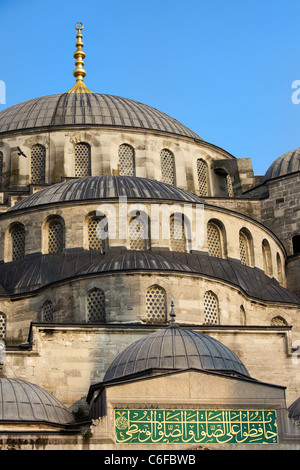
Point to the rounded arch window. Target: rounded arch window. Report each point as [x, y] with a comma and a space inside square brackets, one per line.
[211, 308]
[82, 159]
[267, 258]
[38, 164]
[126, 160]
[48, 312]
[177, 232]
[216, 240]
[246, 247]
[167, 162]
[156, 304]
[97, 228]
[2, 328]
[138, 232]
[17, 233]
[278, 321]
[56, 235]
[202, 174]
[296, 244]
[95, 306]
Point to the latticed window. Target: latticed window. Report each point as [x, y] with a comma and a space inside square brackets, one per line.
[95, 305]
[156, 305]
[214, 240]
[2, 328]
[126, 160]
[211, 308]
[48, 312]
[97, 233]
[38, 164]
[229, 186]
[202, 177]
[138, 234]
[177, 236]
[278, 321]
[267, 261]
[1, 169]
[18, 242]
[56, 242]
[167, 166]
[82, 160]
[244, 249]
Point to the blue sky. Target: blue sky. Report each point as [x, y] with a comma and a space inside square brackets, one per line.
[224, 68]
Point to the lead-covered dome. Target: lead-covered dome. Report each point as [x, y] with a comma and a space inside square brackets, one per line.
[286, 164]
[88, 109]
[22, 401]
[175, 348]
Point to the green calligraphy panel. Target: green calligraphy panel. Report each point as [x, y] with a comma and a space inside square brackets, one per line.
[196, 426]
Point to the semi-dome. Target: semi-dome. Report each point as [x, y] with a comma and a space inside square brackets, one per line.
[175, 348]
[88, 109]
[286, 164]
[22, 401]
[105, 187]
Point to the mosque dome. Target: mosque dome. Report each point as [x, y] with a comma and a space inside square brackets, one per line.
[284, 165]
[294, 409]
[176, 349]
[24, 401]
[106, 187]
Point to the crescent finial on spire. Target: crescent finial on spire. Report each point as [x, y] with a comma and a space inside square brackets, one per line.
[79, 73]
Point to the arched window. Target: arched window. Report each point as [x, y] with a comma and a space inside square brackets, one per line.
[211, 308]
[296, 244]
[17, 233]
[279, 269]
[214, 240]
[167, 166]
[278, 321]
[242, 315]
[177, 235]
[56, 236]
[82, 160]
[126, 160]
[2, 328]
[246, 247]
[48, 312]
[97, 233]
[156, 305]
[95, 306]
[138, 231]
[202, 174]
[1, 169]
[267, 259]
[230, 192]
[38, 164]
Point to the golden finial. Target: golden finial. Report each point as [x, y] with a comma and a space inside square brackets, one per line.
[79, 73]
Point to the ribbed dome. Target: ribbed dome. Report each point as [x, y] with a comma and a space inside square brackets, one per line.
[105, 187]
[88, 109]
[176, 349]
[284, 165]
[24, 401]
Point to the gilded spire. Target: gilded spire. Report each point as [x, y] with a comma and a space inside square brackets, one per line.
[79, 73]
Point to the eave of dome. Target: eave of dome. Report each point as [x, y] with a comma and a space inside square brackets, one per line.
[286, 164]
[88, 109]
[103, 188]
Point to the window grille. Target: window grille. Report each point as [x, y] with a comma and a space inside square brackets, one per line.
[18, 242]
[82, 160]
[244, 252]
[48, 312]
[211, 309]
[137, 234]
[126, 160]
[202, 177]
[278, 321]
[97, 233]
[156, 308]
[38, 164]
[1, 169]
[177, 236]
[95, 306]
[213, 241]
[55, 237]
[2, 328]
[229, 186]
[167, 166]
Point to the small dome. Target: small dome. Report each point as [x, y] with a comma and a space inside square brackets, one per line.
[105, 187]
[284, 165]
[88, 109]
[294, 409]
[24, 401]
[176, 349]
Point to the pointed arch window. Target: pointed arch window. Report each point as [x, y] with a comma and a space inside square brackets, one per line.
[95, 306]
[211, 308]
[202, 173]
[97, 233]
[56, 235]
[18, 241]
[156, 304]
[126, 160]
[167, 162]
[82, 160]
[38, 164]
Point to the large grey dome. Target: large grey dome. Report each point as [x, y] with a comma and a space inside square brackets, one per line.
[91, 109]
[175, 349]
[106, 187]
[284, 165]
[24, 401]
